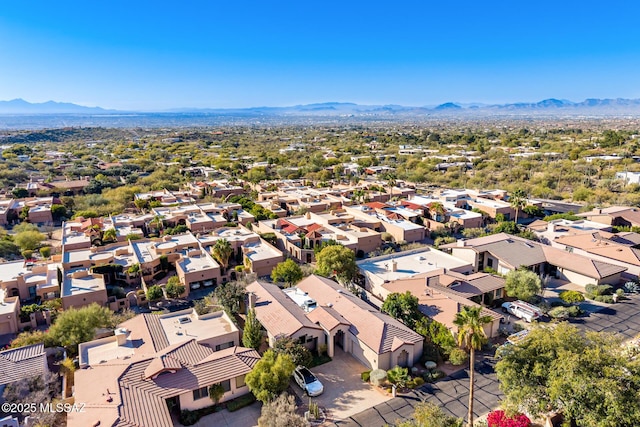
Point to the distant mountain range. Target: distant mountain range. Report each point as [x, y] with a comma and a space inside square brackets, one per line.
[20, 106]
[551, 106]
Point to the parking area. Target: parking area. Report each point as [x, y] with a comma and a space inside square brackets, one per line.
[345, 393]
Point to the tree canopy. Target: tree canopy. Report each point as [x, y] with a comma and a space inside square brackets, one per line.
[174, 288]
[222, 251]
[427, 414]
[298, 353]
[74, 326]
[287, 272]
[587, 376]
[403, 307]
[338, 261]
[281, 412]
[229, 295]
[270, 376]
[522, 284]
[252, 332]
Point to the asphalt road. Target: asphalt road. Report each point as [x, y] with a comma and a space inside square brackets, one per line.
[452, 393]
[622, 318]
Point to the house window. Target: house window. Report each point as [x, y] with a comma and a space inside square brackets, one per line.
[226, 385]
[490, 263]
[498, 293]
[302, 339]
[200, 393]
[240, 381]
[225, 345]
[32, 291]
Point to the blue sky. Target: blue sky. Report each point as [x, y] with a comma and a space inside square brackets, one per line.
[143, 55]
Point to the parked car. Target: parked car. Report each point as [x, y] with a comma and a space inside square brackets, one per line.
[522, 310]
[307, 381]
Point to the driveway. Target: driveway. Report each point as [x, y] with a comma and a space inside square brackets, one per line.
[245, 417]
[450, 393]
[345, 393]
[620, 318]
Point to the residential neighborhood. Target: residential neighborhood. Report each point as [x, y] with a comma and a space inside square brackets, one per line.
[174, 305]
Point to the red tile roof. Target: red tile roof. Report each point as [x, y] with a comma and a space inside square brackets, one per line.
[290, 229]
[376, 205]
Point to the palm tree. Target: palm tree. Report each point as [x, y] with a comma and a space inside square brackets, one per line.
[110, 235]
[471, 336]
[518, 201]
[391, 182]
[134, 269]
[222, 251]
[157, 222]
[437, 211]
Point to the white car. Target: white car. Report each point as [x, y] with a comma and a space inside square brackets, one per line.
[307, 381]
[522, 310]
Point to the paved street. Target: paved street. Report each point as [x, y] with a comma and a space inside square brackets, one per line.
[621, 318]
[451, 393]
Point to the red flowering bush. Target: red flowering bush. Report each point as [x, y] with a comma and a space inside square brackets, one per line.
[500, 419]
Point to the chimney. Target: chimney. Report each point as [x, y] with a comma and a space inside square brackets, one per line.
[598, 211]
[461, 243]
[551, 227]
[394, 265]
[121, 336]
[251, 298]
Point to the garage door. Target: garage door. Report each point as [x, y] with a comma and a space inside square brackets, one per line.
[358, 353]
[5, 328]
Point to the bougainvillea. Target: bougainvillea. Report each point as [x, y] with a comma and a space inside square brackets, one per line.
[500, 419]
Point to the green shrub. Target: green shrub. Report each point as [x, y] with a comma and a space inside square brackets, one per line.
[594, 291]
[571, 297]
[417, 382]
[188, 418]
[590, 289]
[433, 375]
[457, 356]
[377, 376]
[240, 402]
[365, 376]
[575, 311]
[607, 299]
[398, 376]
[560, 313]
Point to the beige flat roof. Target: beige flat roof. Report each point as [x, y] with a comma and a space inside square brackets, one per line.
[185, 325]
[259, 251]
[105, 349]
[81, 285]
[410, 264]
[202, 262]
